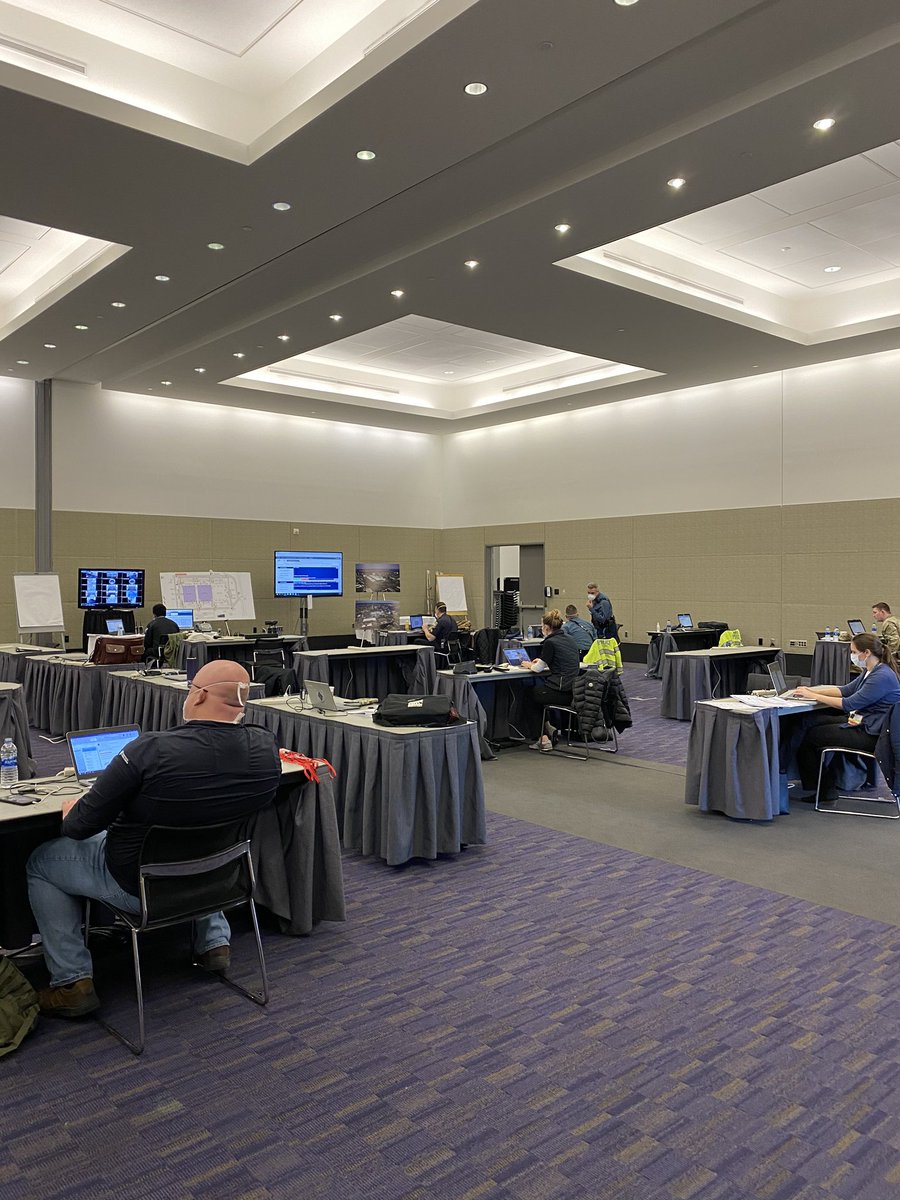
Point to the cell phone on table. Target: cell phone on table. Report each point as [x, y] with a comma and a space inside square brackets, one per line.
[21, 798]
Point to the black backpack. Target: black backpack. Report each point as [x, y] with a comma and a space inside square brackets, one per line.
[398, 709]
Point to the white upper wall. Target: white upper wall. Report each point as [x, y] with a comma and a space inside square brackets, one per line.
[116, 452]
[17, 440]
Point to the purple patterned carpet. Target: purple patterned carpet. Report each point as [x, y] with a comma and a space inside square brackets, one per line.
[543, 1018]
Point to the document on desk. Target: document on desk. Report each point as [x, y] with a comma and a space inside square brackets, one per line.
[770, 702]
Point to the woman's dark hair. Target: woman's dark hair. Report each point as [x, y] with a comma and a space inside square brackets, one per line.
[553, 619]
[870, 644]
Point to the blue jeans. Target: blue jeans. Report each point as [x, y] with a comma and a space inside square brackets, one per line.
[62, 872]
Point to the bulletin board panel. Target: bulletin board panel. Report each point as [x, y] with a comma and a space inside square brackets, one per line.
[213, 595]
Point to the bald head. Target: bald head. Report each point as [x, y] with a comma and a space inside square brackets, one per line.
[218, 692]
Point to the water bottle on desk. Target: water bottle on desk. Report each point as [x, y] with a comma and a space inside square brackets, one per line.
[668, 626]
[9, 764]
[827, 637]
[836, 636]
[874, 629]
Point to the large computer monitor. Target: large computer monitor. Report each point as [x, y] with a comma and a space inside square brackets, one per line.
[301, 573]
[101, 587]
[183, 617]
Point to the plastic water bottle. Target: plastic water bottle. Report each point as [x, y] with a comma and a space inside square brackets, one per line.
[836, 635]
[827, 637]
[874, 629]
[668, 626]
[657, 626]
[9, 764]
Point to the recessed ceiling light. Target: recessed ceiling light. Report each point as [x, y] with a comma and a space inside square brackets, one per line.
[82, 327]
[824, 124]
[117, 304]
[166, 382]
[398, 293]
[200, 370]
[471, 263]
[475, 89]
[784, 249]
[239, 354]
[49, 345]
[281, 206]
[449, 372]
[23, 362]
[626, 3]
[365, 155]
[161, 278]
[831, 270]
[284, 337]
[215, 246]
[676, 183]
[335, 317]
[563, 228]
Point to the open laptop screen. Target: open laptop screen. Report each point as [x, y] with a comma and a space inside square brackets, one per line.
[92, 750]
[115, 625]
[856, 627]
[515, 656]
[183, 617]
[777, 676]
[415, 622]
[684, 621]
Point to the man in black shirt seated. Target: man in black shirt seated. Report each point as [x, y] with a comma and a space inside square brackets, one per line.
[445, 626]
[210, 770]
[558, 661]
[157, 631]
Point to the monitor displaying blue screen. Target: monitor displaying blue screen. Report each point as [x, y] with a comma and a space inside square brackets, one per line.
[113, 588]
[305, 573]
[93, 750]
[516, 656]
[183, 617]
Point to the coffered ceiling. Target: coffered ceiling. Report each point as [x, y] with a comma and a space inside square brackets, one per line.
[448, 246]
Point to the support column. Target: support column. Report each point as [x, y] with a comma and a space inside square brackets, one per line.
[43, 483]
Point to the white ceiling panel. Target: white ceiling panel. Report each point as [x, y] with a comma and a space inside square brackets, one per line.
[889, 249]
[854, 264]
[230, 25]
[786, 247]
[835, 182]
[22, 230]
[865, 223]
[9, 252]
[725, 220]
[887, 156]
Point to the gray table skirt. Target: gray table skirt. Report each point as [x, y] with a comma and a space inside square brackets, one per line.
[152, 706]
[62, 697]
[733, 764]
[831, 663]
[14, 724]
[12, 665]
[687, 680]
[205, 652]
[296, 852]
[660, 645]
[465, 700]
[397, 796]
[361, 674]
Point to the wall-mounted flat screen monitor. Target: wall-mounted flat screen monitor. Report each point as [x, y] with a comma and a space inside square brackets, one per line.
[99, 587]
[301, 573]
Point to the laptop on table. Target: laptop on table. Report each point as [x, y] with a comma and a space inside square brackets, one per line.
[324, 700]
[115, 625]
[516, 656]
[782, 691]
[856, 627]
[685, 621]
[183, 617]
[92, 750]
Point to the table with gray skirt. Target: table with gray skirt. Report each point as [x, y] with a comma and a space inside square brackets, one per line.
[830, 663]
[689, 676]
[152, 702]
[659, 646]
[14, 724]
[376, 671]
[237, 649]
[495, 700]
[63, 695]
[733, 764]
[13, 658]
[400, 793]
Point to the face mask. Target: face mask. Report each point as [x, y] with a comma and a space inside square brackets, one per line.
[859, 660]
[184, 717]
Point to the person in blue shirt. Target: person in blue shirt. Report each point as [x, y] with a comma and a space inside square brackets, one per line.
[601, 610]
[862, 708]
[581, 631]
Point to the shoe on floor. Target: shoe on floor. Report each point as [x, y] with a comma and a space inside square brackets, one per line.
[70, 1001]
[217, 960]
[545, 747]
[805, 794]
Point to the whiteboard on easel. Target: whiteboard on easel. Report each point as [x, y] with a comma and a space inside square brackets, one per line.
[451, 590]
[38, 603]
[213, 595]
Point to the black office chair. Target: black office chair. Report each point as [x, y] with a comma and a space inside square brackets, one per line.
[454, 652]
[887, 749]
[187, 873]
[267, 652]
[758, 682]
[573, 726]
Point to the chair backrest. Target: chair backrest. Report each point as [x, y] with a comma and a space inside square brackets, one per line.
[604, 653]
[194, 870]
[485, 642]
[887, 749]
[760, 683]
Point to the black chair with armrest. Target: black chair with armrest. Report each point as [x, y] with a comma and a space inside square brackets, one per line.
[186, 873]
[269, 652]
[455, 644]
[887, 756]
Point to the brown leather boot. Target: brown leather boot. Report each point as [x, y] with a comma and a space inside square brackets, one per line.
[217, 960]
[72, 1000]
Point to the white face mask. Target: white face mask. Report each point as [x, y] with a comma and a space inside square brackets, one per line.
[859, 660]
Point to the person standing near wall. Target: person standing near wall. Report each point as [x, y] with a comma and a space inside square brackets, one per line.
[600, 608]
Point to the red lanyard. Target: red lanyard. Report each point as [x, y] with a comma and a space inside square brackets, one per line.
[311, 766]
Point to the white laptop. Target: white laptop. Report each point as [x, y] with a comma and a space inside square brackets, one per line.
[322, 698]
[92, 750]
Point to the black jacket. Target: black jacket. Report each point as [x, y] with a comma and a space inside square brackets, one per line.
[600, 701]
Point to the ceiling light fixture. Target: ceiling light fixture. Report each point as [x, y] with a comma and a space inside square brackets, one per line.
[471, 263]
[475, 89]
[626, 3]
[563, 228]
[832, 270]
[281, 206]
[676, 183]
[23, 362]
[365, 155]
[49, 345]
[81, 327]
[824, 124]
[161, 278]
[239, 354]
[117, 304]
[215, 246]
[200, 370]
[335, 317]
[398, 293]
[166, 382]
[284, 337]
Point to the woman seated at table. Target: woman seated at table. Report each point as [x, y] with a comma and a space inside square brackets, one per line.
[557, 663]
[862, 708]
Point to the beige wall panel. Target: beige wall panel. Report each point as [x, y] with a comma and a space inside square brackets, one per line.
[323, 538]
[718, 580]
[380, 544]
[752, 530]
[843, 526]
[455, 544]
[571, 576]
[251, 539]
[22, 521]
[514, 535]
[844, 583]
[177, 543]
[599, 537]
[90, 537]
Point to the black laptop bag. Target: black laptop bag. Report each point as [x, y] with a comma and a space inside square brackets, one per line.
[398, 709]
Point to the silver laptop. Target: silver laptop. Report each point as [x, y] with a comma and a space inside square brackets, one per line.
[855, 626]
[778, 682]
[92, 750]
[324, 700]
